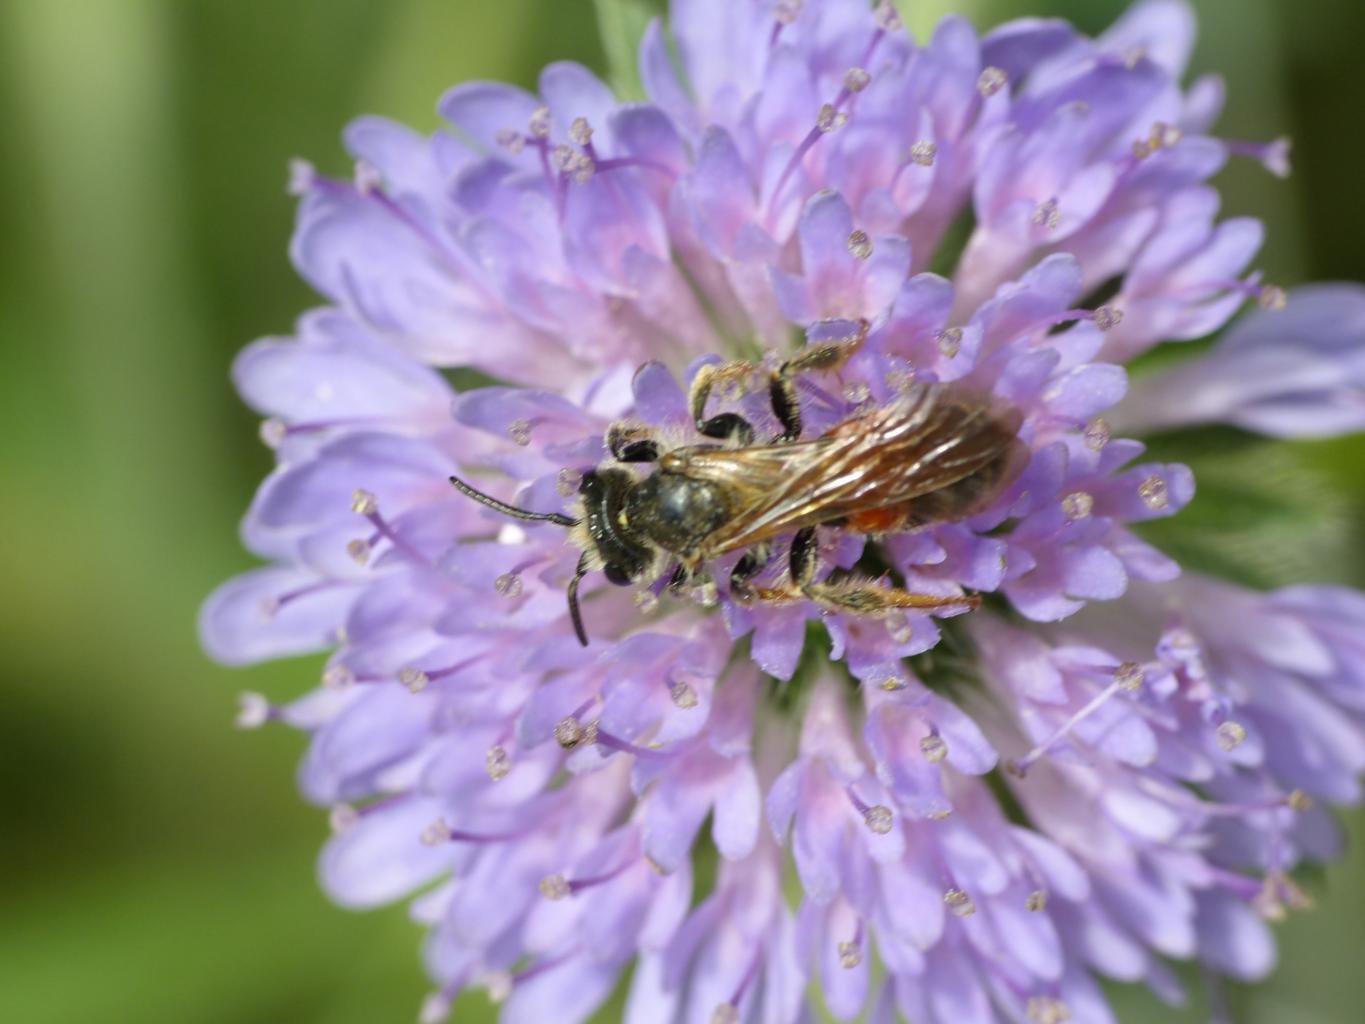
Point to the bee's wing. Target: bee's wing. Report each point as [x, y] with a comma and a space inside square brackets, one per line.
[935, 437]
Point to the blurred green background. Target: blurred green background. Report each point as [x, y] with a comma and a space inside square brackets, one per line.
[157, 865]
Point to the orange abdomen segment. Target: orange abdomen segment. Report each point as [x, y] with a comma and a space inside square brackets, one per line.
[878, 520]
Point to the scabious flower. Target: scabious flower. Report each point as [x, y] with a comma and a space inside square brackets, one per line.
[1107, 767]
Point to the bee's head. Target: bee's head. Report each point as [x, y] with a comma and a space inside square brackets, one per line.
[624, 554]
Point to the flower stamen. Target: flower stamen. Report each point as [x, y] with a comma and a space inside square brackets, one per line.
[1128, 677]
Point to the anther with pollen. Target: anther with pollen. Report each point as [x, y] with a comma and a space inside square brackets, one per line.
[439, 832]
[364, 503]
[1106, 318]
[1162, 136]
[959, 902]
[850, 955]
[1047, 1010]
[830, 119]
[683, 694]
[923, 153]
[991, 81]
[1047, 214]
[1270, 297]
[934, 748]
[557, 887]
[1154, 493]
[416, 679]
[508, 585]
[1230, 735]
[1078, 505]
[887, 17]
[497, 763]
[303, 177]
[253, 710]
[368, 180]
[413, 679]
[900, 629]
[571, 733]
[436, 833]
[1097, 434]
[567, 482]
[342, 817]
[949, 341]
[878, 819]
[539, 124]
[273, 431]
[1278, 895]
[436, 1007]
[860, 245]
[338, 676]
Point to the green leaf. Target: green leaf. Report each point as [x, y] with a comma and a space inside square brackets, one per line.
[622, 24]
[1263, 514]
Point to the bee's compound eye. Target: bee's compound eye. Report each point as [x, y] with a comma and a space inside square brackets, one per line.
[615, 574]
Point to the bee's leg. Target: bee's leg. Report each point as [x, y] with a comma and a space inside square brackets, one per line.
[726, 425]
[856, 597]
[632, 443]
[830, 355]
[802, 563]
[862, 597]
[680, 577]
[755, 560]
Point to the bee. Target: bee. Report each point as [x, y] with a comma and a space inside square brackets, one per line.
[936, 454]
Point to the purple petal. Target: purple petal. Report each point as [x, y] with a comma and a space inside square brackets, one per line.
[779, 636]
[739, 810]
[405, 159]
[336, 371]
[482, 110]
[1299, 372]
[572, 91]
[569, 992]
[381, 857]
[661, 80]
[272, 613]
[1233, 939]
[1162, 30]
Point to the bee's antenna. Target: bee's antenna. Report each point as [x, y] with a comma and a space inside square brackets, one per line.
[574, 613]
[511, 510]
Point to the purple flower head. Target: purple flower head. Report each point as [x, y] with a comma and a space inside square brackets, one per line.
[831, 706]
